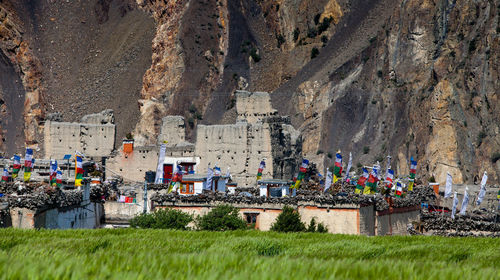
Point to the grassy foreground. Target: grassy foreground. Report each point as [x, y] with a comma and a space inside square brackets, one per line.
[163, 254]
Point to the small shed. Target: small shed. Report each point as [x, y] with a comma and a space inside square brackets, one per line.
[192, 184]
[275, 188]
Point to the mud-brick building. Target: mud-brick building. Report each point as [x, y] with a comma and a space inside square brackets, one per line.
[341, 218]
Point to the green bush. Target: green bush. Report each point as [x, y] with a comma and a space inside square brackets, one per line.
[162, 219]
[315, 227]
[314, 52]
[288, 221]
[255, 56]
[366, 150]
[221, 218]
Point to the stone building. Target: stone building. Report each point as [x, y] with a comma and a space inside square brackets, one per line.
[94, 136]
[259, 134]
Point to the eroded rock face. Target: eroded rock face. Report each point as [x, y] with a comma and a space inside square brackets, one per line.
[24, 106]
[425, 85]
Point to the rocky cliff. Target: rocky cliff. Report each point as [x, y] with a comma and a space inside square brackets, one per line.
[375, 77]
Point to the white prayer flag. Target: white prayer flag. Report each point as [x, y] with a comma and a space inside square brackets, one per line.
[328, 181]
[482, 192]
[210, 175]
[455, 204]
[465, 201]
[349, 165]
[159, 168]
[448, 189]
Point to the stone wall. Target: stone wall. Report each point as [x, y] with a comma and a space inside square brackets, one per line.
[94, 136]
[253, 106]
[240, 146]
[172, 130]
[132, 166]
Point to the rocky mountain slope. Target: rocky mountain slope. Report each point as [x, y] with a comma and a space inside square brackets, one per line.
[375, 77]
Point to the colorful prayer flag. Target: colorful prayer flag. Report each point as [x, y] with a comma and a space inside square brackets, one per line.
[261, 168]
[399, 189]
[360, 186]
[28, 164]
[373, 180]
[59, 178]
[78, 170]
[413, 172]
[16, 166]
[5, 175]
[337, 169]
[53, 172]
[217, 171]
[389, 179]
[302, 172]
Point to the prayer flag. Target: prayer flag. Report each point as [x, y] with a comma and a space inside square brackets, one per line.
[337, 169]
[28, 164]
[413, 172]
[78, 170]
[328, 181]
[349, 165]
[302, 172]
[465, 201]
[449, 186]
[53, 172]
[59, 178]
[390, 178]
[5, 175]
[399, 189]
[261, 168]
[373, 180]
[360, 186]
[482, 192]
[210, 175]
[16, 167]
[217, 171]
[455, 204]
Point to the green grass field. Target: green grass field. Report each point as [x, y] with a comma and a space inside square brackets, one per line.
[163, 254]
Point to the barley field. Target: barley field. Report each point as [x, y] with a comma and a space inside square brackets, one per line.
[166, 254]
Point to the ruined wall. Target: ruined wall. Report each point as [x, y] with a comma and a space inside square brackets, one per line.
[132, 166]
[239, 146]
[80, 216]
[94, 140]
[286, 143]
[253, 106]
[395, 223]
[172, 130]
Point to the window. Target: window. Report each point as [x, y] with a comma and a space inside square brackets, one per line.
[251, 219]
[187, 188]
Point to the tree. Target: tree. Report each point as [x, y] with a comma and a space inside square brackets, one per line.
[222, 218]
[288, 221]
[162, 219]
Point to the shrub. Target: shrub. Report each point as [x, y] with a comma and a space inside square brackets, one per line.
[366, 150]
[316, 19]
[314, 52]
[321, 228]
[432, 179]
[495, 157]
[255, 56]
[221, 218]
[312, 32]
[296, 34]
[280, 39]
[288, 221]
[324, 39]
[324, 24]
[312, 225]
[318, 152]
[162, 219]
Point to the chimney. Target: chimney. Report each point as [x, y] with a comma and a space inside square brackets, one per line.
[128, 146]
